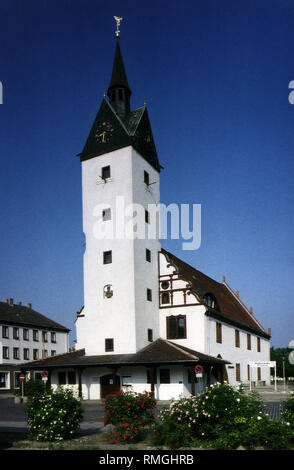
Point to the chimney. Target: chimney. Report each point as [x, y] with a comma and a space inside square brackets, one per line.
[6, 301]
[270, 331]
[18, 303]
[251, 309]
[237, 293]
[30, 306]
[10, 301]
[224, 279]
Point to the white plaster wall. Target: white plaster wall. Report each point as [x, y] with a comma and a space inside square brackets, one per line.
[127, 315]
[235, 355]
[61, 345]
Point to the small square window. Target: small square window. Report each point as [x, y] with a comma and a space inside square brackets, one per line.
[53, 352]
[165, 298]
[149, 295]
[107, 257]
[148, 255]
[105, 172]
[109, 344]
[106, 214]
[146, 178]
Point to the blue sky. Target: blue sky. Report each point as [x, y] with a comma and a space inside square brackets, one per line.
[215, 77]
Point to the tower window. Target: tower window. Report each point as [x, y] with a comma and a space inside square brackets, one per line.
[165, 298]
[106, 214]
[150, 334]
[107, 257]
[176, 327]
[146, 178]
[146, 217]
[149, 295]
[105, 172]
[148, 255]
[109, 345]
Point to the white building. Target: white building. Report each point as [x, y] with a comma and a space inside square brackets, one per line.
[26, 335]
[148, 318]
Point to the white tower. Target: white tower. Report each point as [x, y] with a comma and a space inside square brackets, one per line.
[119, 167]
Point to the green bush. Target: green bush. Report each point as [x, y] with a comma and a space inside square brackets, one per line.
[34, 388]
[129, 412]
[287, 411]
[54, 416]
[222, 417]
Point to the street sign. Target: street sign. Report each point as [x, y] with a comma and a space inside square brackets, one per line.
[21, 377]
[44, 374]
[262, 363]
[198, 369]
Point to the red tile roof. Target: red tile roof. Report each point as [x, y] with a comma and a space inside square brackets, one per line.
[230, 308]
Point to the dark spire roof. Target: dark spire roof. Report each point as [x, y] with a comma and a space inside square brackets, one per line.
[119, 76]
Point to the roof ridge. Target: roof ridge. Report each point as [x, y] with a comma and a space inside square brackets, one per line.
[116, 115]
[180, 349]
[141, 108]
[224, 283]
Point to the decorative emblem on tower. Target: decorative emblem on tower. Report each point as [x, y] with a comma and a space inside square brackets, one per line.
[118, 19]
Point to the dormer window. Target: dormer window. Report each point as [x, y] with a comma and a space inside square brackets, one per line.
[210, 301]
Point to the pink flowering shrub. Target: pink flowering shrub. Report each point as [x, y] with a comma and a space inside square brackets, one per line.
[129, 412]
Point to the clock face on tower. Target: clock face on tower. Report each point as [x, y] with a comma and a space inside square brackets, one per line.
[104, 132]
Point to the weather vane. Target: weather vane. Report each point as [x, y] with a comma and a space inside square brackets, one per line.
[118, 19]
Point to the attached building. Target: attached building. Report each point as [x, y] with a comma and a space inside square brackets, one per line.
[26, 335]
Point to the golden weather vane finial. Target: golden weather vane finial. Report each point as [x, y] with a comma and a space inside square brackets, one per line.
[118, 19]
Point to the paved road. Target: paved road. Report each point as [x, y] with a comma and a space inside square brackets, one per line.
[13, 418]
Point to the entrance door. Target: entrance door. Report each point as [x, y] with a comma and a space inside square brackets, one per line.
[109, 385]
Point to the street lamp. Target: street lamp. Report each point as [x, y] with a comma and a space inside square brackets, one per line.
[284, 374]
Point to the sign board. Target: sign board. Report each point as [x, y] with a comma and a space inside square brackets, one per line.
[262, 364]
[198, 371]
[21, 377]
[44, 374]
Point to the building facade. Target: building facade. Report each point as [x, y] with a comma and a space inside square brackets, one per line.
[26, 335]
[148, 318]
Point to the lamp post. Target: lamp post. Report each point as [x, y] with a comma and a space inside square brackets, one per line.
[284, 374]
